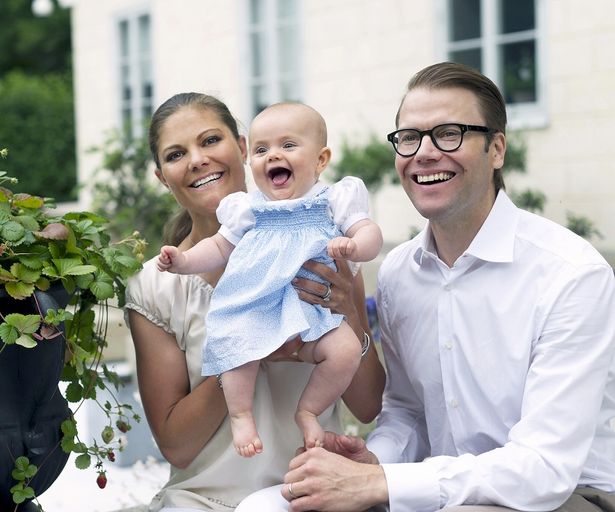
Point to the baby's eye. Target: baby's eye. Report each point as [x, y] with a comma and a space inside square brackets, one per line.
[260, 150]
[289, 145]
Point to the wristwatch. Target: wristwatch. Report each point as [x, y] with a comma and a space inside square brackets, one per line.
[367, 341]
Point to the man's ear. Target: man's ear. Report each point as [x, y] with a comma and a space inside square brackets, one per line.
[323, 159]
[498, 150]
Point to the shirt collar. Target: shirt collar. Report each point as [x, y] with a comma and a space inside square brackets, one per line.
[495, 241]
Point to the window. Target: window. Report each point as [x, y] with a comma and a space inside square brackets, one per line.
[135, 60]
[501, 39]
[274, 52]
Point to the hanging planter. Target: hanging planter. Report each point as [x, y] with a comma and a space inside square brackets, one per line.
[58, 274]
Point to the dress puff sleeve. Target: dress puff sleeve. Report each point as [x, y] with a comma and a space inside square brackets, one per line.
[235, 216]
[349, 202]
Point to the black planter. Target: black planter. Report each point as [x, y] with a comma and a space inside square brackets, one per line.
[32, 407]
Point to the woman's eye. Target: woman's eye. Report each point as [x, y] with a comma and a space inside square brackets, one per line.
[175, 155]
[211, 140]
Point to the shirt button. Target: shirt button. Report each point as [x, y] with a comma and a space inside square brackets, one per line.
[448, 345]
[454, 403]
[447, 287]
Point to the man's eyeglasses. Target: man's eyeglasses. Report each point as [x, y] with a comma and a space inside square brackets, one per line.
[446, 137]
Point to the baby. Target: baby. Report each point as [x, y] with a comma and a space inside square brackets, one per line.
[264, 239]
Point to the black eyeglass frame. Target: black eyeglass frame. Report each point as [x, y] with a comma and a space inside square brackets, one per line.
[392, 137]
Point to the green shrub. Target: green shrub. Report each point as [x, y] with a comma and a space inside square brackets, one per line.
[37, 122]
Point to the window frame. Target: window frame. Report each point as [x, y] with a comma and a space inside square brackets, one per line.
[134, 60]
[271, 77]
[520, 115]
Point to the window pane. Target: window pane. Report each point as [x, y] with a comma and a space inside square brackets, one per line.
[144, 39]
[518, 71]
[124, 39]
[256, 11]
[516, 15]
[464, 19]
[256, 48]
[259, 99]
[287, 9]
[468, 57]
[287, 48]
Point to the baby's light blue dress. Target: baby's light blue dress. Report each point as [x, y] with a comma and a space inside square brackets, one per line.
[254, 309]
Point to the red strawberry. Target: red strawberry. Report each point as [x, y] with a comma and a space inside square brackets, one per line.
[111, 455]
[101, 481]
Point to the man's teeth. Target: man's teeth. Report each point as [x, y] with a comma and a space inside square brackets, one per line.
[206, 180]
[440, 176]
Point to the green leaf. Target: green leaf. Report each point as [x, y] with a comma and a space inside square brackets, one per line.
[28, 201]
[69, 427]
[24, 273]
[24, 323]
[102, 290]
[8, 333]
[83, 461]
[67, 444]
[32, 263]
[25, 341]
[12, 231]
[28, 222]
[19, 290]
[80, 270]
[5, 275]
[74, 392]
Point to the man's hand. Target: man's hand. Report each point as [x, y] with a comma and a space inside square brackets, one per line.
[325, 481]
[350, 447]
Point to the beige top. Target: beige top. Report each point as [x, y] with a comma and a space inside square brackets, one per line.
[218, 478]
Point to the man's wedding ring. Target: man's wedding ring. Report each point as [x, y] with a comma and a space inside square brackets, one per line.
[290, 491]
[327, 296]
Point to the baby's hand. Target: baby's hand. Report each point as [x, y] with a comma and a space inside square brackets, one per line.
[168, 259]
[342, 247]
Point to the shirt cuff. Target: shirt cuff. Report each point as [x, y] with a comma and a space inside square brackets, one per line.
[412, 487]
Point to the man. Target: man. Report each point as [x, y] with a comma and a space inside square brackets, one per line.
[498, 330]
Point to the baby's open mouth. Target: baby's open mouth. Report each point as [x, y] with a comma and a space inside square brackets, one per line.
[279, 175]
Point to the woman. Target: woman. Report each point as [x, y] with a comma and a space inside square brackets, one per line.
[200, 158]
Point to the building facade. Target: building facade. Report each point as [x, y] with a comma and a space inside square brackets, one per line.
[350, 59]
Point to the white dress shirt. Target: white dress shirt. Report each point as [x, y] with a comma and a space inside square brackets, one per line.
[497, 368]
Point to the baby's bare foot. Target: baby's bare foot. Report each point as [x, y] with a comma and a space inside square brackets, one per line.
[245, 437]
[313, 434]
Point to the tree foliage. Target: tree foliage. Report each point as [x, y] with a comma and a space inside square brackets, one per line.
[37, 122]
[36, 98]
[125, 192]
[32, 45]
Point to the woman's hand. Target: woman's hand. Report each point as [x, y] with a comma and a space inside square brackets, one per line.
[347, 297]
[339, 299]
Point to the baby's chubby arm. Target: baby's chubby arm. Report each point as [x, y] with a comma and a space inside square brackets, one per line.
[207, 255]
[362, 242]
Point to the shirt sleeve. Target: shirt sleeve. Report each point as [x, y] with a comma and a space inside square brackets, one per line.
[235, 216]
[540, 464]
[349, 202]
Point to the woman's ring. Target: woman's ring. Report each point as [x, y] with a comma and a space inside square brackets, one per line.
[290, 491]
[327, 296]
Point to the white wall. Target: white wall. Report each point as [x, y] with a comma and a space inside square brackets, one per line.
[358, 56]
